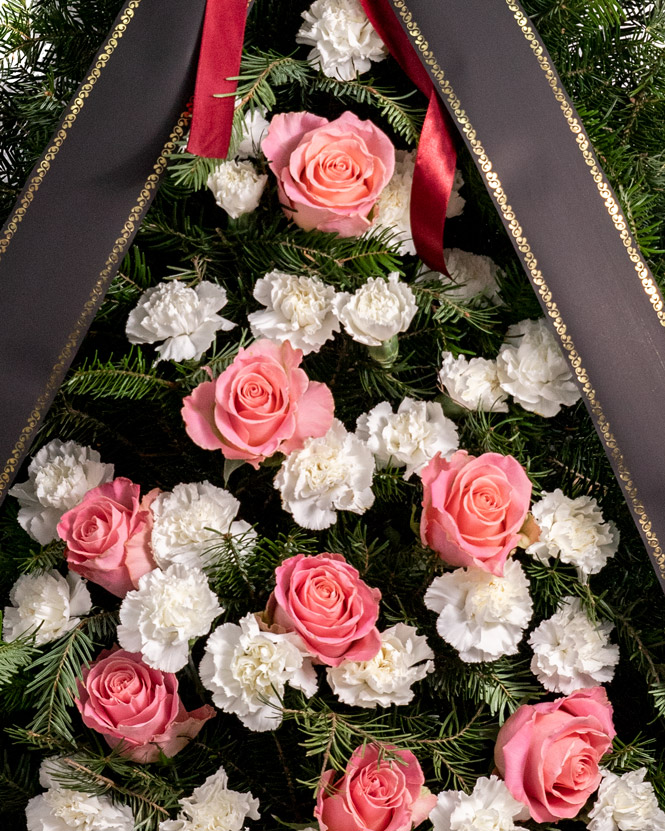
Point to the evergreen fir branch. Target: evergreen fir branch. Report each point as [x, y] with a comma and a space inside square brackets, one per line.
[502, 685]
[404, 118]
[15, 783]
[632, 755]
[149, 796]
[130, 377]
[260, 72]
[344, 262]
[54, 687]
[444, 309]
[190, 171]
[15, 656]
[42, 559]
[132, 279]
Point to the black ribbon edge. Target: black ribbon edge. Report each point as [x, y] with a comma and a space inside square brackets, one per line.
[122, 243]
[492, 182]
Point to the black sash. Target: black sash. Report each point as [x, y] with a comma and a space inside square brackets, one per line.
[83, 204]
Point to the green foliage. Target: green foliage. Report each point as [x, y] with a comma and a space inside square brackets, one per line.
[116, 399]
[14, 656]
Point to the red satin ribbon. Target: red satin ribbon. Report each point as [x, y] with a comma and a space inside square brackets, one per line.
[435, 161]
[212, 118]
[219, 59]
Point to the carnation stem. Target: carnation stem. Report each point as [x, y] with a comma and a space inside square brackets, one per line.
[386, 354]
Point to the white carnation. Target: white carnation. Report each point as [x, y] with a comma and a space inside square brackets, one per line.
[532, 369]
[191, 519]
[214, 807]
[570, 652]
[410, 437]
[246, 670]
[574, 530]
[298, 310]
[330, 473]
[470, 276]
[60, 809]
[254, 130]
[473, 384]
[403, 659]
[394, 205]
[481, 615]
[626, 803]
[184, 318]
[48, 601]
[59, 476]
[167, 610]
[344, 40]
[489, 807]
[456, 202]
[237, 187]
[377, 311]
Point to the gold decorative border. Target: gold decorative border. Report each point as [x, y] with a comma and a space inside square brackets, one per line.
[95, 297]
[584, 145]
[119, 248]
[499, 195]
[60, 137]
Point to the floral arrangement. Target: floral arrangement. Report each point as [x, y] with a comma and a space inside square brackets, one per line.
[352, 578]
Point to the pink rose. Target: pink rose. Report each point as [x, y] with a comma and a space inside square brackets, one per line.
[474, 508]
[323, 599]
[548, 753]
[262, 403]
[329, 173]
[108, 535]
[374, 793]
[137, 707]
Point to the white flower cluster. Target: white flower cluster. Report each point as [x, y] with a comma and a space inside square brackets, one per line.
[481, 615]
[62, 809]
[48, 604]
[456, 202]
[533, 370]
[214, 806]
[247, 669]
[574, 530]
[298, 309]
[344, 41]
[409, 438]
[167, 610]
[184, 318]
[403, 659]
[471, 276]
[254, 129]
[394, 206]
[490, 807]
[59, 476]
[191, 519]
[472, 384]
[237, 186]
[626, 803]
[330, 473]
[570, 652]
[377, 311]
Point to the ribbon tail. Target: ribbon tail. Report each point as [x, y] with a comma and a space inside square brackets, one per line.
[432, 185]
[219, 60]
[435, 163]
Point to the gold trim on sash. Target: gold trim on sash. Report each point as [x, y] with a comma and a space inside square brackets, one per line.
[75, 108]
[97, 292]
